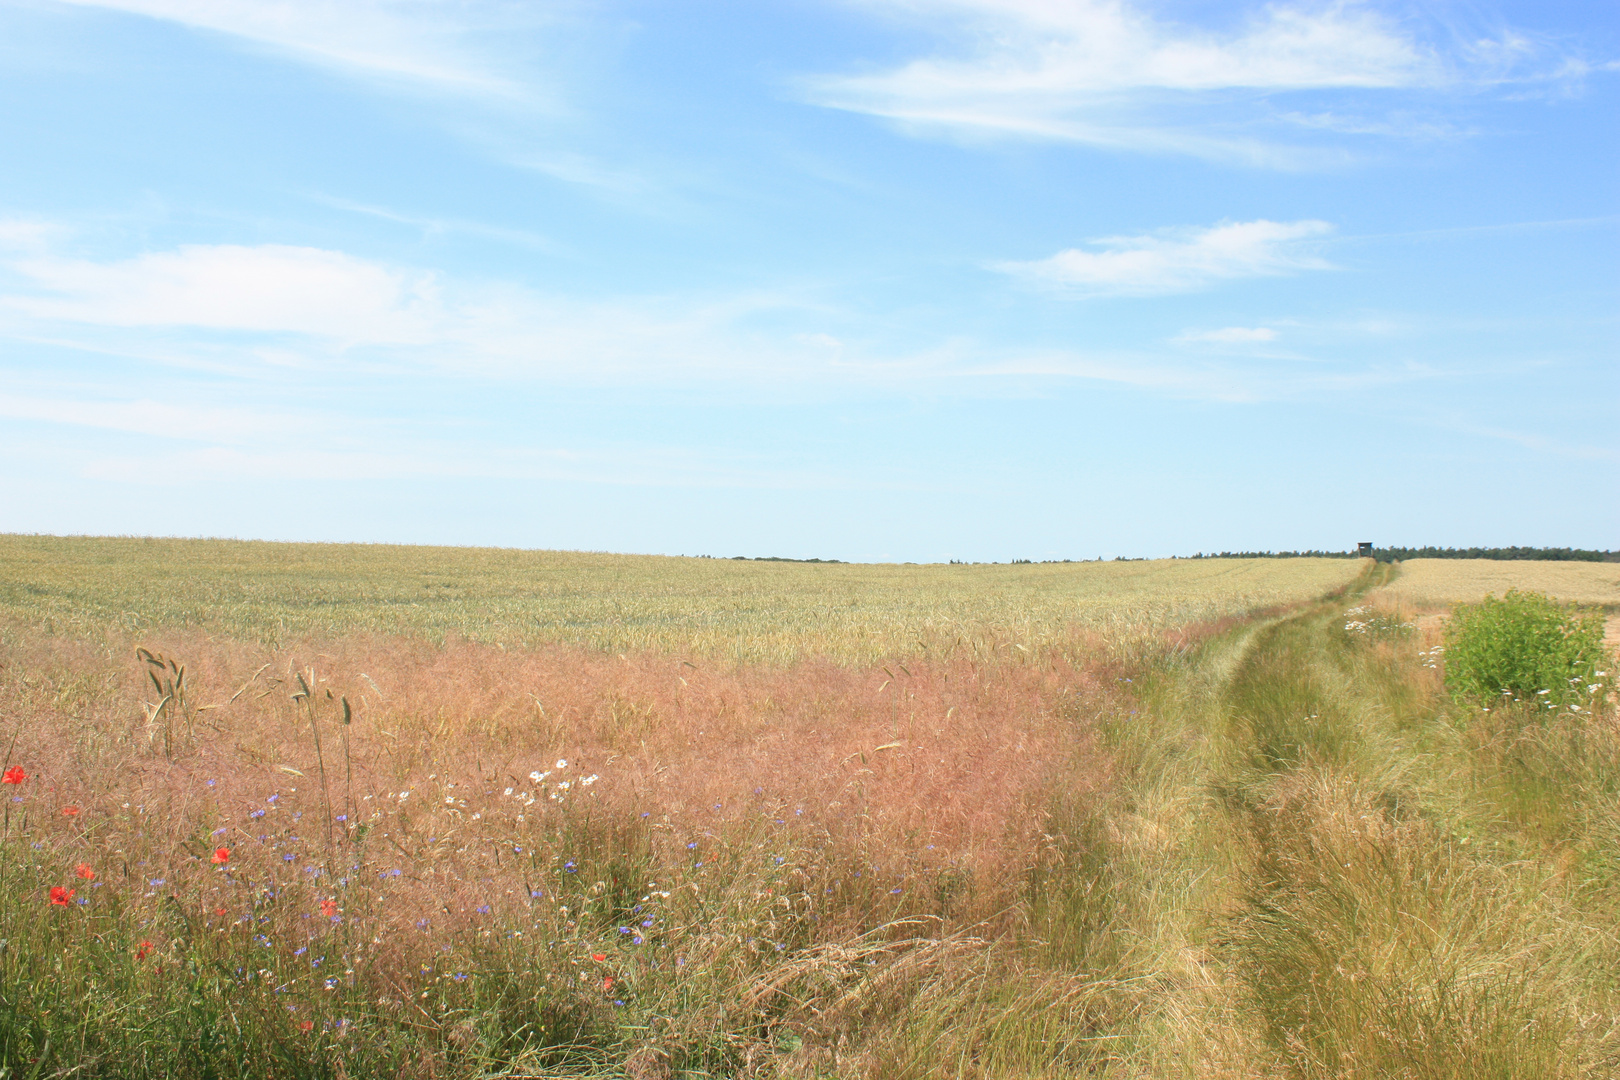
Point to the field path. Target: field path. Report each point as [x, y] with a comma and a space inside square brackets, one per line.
[1293, 828]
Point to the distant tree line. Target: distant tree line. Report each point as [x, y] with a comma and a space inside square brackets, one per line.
[1401, 554]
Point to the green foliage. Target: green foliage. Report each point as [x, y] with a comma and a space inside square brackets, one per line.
[1525, 646]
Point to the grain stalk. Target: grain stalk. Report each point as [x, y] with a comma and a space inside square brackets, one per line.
[169, 680]
[307, 695]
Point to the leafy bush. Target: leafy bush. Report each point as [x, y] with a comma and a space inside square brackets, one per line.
[1526, 646]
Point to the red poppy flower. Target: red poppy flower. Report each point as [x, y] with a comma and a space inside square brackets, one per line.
[142, 952]
[607, 984]
[329, 908]
[306, 1025]
[84, 871]
[60, 896]
[14, 775]
[222, 856]
[70, 811]
[219, 911]
[599, 957]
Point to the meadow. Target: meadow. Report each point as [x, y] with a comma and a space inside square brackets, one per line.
[304, 811]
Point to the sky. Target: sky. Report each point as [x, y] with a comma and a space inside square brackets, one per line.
[875, 280]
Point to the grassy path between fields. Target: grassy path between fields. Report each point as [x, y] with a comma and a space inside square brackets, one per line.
[1313, 866]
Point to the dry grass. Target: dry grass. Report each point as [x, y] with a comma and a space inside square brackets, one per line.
[949, 757]
[280, 595]
[1436, 583]
[745, 850]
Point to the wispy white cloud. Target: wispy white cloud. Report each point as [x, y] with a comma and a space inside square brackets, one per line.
[1172, 377]
[585, 171]
[167, 419]
[1178, 260]
[448, 46]
[321, 305]
[1111, 74]
[422, 459]
[273, 309]
[269, 288]
[190, 439]
[1231, 335]
[1543, 444]
[436, 226]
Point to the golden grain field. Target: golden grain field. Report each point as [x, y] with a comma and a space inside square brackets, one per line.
[281, 594]
[1443, 582]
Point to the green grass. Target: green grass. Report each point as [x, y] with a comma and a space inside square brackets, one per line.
[282, 594]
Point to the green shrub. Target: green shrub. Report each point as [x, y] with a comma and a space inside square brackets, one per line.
[1526, 646]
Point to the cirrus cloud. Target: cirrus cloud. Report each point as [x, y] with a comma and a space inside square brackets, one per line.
[454, 47]
[271, 288]
[292, 306]
[1178, 260]
[1230, 335]
[1112, 74]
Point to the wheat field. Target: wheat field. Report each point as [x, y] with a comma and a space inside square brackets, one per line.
[776, 612]
[1443, 582]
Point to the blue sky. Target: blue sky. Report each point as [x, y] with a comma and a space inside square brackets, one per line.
[871, 279]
